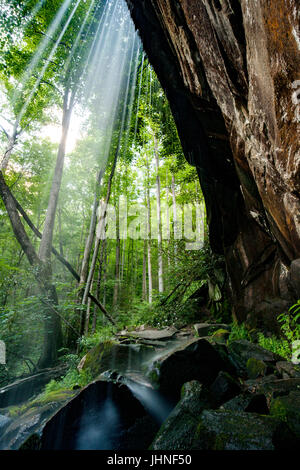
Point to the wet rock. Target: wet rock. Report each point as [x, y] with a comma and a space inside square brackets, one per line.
[287, 408]
[198, 361]
[177, 432]
[240, 351]
[151, 334]
[255, 368]
[232, 430]
[273, 388]
[249, 403]
[207, 329]
[30, 419]
[103, 416]
[4, 422]
[224, 388]
[110, 355]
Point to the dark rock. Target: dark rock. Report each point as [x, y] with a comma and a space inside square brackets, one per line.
[198, 361]
[30, 419]
[273, 388]
[295, 276]
[288, 368]
[241, 351]
[249, 403]
[228, 430]
[103, 416]
[224, 388]
[177, 432]
[287, 408]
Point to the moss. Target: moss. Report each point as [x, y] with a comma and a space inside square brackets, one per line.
[255, 368]
[221, 335]
[43, 399]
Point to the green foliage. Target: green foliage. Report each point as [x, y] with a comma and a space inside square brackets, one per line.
[105, 333]
[72, 379]
[239, 331]
[275, 345]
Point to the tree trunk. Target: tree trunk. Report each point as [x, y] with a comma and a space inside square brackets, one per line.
[160, 257]
[101, 228]
[52, 324]
[46, 242]
[144, 294]
[117, 265]
[175, 220]
[91, 234]
[149, 246]
[12, 139]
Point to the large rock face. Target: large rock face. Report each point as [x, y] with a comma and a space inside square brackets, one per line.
[230, 69]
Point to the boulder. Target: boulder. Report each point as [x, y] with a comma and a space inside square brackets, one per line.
[273, 388]
[224, 388]
[255, 368]
[197, 361]
[237, 430]
[249, 403]
[110, 355]
[177, 432]
[240, 351]
[287, 408]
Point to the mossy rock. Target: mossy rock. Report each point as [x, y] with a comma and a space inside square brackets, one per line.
[177, 432]
[228, 430]
[255, 368]
[221, 336]
[287, 408]
[111, 355]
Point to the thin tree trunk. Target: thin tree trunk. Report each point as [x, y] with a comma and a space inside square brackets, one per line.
[144, 294]
[12, 140]
[87, 320]
[61, 248]
[160, 257]
[105, 263]
[175, 220]
[149, 246]
[117, 265]
[98, 285]
[91, 234]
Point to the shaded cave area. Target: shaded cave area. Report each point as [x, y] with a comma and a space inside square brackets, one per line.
[229, 114]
